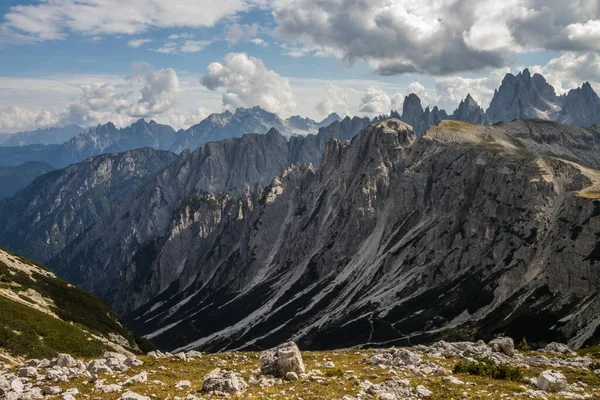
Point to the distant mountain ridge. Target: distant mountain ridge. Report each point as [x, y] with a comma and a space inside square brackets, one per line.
[55, 135]
[520, 96]
[107, 138]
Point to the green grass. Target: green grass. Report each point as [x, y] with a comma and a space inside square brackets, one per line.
[77, 309]
[25, 331]
[334, 372]
[485, 367]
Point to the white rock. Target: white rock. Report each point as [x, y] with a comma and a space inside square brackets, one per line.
[183, 384]
[193, 354]
[559, 348]
[142, 377]
[551, 381]
[65, 360]
[113, 388]
[28, 372]
[423, 391]
[291, 376]
[454, 380]
[133, 396]
[223, 381]
[503, 345]
[281, 360]
[329, 365]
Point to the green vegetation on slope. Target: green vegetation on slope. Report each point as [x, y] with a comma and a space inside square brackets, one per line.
[27, 330]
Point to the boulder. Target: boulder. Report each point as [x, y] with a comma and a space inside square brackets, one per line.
[193, 354]
[405, 358]
[503, 345]
[133, 396]
[281, 360]
[559, 348]
[99, 367]
[552, 381]
[223, 381]
[64, 360]
[396, 389]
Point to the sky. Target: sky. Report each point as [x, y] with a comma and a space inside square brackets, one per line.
[92, 61]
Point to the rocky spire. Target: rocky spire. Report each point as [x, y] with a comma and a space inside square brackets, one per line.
[469, 111]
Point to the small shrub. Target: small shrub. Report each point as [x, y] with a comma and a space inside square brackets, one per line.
[595, 366]
[335, 372]
[523, 345]
[485, 367]
[144, 344]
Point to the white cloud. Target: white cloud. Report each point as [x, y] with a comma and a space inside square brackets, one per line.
[183, 43]
[570, 70]
[15, 118]
[56, 19]
[138, 42]
[439, 37]
[375, 101]
[248, 82]
[337, 99]
[159, 94]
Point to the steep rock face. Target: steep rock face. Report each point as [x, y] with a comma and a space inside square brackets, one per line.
[414, 115]
[47, 215]
[469, 111]
[134, 225]
[467, 231]
[581, 107]
[523, 96]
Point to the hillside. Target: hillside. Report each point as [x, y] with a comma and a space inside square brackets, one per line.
[13, 179]
[42, 315]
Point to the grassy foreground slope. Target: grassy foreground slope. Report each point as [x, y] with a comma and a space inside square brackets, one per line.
[42, 315]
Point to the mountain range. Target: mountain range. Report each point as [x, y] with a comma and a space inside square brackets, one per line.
[54, 135]
[348, 233]
[519, 96]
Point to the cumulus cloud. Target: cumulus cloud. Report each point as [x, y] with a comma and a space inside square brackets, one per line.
[336, 100]
[159, 94]
[375, 101]
[570, 70]
[56, 19]
[147, 95]
[438, 37]
[247, 82]
[18, 118]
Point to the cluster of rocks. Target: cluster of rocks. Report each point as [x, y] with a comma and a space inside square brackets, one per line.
[36, 379]
[498, 351]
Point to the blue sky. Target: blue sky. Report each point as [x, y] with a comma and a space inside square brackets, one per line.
[89, 61]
